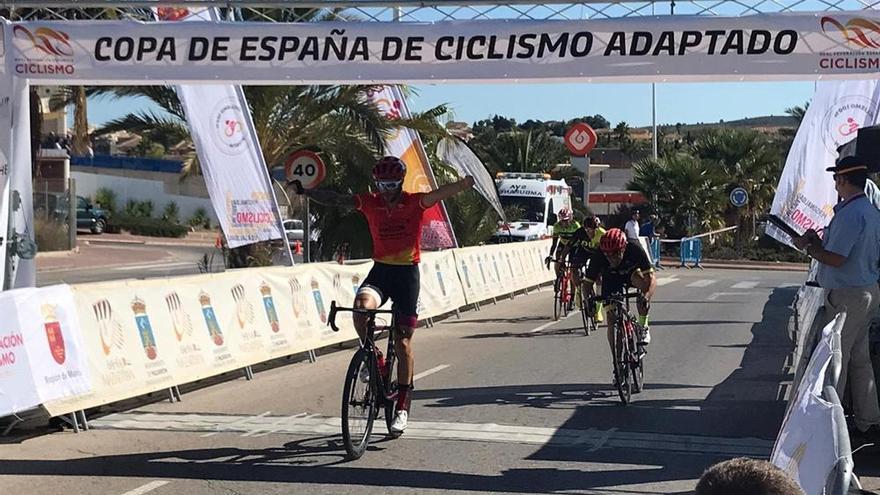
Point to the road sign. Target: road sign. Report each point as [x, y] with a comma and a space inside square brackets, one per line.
[739, 197]
[580, 139]
[306, 167]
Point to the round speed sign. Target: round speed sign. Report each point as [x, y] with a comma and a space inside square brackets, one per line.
[306, 167]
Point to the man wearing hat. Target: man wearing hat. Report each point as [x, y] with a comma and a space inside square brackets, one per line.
[849, 268]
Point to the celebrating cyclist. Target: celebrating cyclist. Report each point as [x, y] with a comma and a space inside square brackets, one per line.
[624, 264]
[584, 244]
[395, 221]
[563, 230]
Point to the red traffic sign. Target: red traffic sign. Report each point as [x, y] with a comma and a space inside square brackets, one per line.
[306, 167]
[580, 139]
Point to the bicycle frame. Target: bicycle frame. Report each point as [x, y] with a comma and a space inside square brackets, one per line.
[367, 342]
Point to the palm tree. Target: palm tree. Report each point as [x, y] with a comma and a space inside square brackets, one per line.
[520, 151]
[798, 112]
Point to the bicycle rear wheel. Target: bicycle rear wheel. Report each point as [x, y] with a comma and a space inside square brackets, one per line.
[565, 297]
[391, 389]
[359, 404]
[557, 305]
[621, 364]
[638, 370]
[585, 312]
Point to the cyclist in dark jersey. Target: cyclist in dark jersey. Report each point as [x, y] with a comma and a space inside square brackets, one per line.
[624, 264]
[395, 219]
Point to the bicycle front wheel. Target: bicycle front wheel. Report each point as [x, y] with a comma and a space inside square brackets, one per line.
[391, 390]
[638, 372]
[585, 312]
[557, 305]
[360, 403]
[621, 364]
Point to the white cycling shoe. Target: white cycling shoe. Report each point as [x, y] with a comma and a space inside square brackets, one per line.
[645, 337]
[400, 422]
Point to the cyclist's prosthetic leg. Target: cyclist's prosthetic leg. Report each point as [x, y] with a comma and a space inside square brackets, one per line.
[644, 307]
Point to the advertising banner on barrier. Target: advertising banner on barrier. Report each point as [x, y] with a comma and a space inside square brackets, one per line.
[805, 197]
[441, 290]
[17, 389]
[406, 144]
[663, 48]
[806, 448]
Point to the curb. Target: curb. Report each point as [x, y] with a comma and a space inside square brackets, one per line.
[132, 242]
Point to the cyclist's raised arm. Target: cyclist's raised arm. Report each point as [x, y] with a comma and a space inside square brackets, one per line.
[446, 191]
[325, 197]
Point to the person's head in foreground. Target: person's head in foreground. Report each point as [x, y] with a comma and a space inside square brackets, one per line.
[746, 477]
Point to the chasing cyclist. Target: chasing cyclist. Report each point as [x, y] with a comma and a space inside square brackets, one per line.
[395, 221]
[624, 264]
[584, 245]
[564, 229]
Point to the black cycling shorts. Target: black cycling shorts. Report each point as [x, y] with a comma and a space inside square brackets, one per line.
[401, 284]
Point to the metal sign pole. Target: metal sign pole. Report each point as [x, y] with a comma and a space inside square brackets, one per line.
[307, 232]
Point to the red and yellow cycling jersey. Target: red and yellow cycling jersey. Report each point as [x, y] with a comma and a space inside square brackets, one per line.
[396, 230]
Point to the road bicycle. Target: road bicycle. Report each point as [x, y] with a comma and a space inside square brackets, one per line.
[588, 309]
[368, 386]
[563, 292]
[626, 355]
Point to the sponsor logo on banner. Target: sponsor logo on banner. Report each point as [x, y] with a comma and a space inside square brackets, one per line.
[53, 333]
[210, 318]
[297, 298]
[43, 50]
[269, 305]
[497, 271]
[319, 302]
[339, 288]
[841, 121]
[145, 329]
[244, 310]
[180, 319]
[464, 271]
[482, 272]
[440, 278]
[109, 329]
[228, 127]
[859, 34]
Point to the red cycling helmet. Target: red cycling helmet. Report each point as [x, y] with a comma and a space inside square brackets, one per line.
[389, 168]
[613, 241]
[592, 222]
[565, 214]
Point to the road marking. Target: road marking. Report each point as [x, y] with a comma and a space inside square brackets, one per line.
[591, 438]
[661, 281]
[238, 422]
[745, 285]
[146, 488]
[715, 295]
[431, 371]
[154, 266]
[701, 283]
[551, 323]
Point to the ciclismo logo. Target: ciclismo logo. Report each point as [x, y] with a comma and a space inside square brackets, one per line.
[43, 51]
[842, 120]
[858, 47]
[228, 127]
[863, 33]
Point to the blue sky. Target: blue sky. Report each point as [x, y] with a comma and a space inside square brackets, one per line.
[686, 103]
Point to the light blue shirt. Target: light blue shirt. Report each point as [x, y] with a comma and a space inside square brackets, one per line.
[854, 232]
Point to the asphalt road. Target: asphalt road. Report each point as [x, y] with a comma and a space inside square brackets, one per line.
[505, 402]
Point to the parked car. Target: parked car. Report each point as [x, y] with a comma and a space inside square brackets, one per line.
[293, 229]
[51, 206]
[90, 217]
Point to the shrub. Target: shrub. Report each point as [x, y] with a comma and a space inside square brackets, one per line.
[154, 227]
[51, 235]
[145, 209]
[131, 208]
[106, 199]
[200, 219]
[171, 213]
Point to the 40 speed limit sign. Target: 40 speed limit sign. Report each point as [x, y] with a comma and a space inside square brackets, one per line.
[306, 167]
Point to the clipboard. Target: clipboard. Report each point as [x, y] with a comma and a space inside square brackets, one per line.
[781, 225]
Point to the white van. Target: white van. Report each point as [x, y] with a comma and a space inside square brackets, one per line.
[538, 200]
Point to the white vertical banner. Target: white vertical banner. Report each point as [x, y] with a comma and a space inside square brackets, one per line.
[17, 390]
[21, 182]
[229, 153]
[407, 145]
[805, 197]
[6, 89]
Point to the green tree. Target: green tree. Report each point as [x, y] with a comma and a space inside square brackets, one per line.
[798, 112]
[519, 151]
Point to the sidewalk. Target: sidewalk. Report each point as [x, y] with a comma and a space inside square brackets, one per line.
[88, 256]
[192, 239]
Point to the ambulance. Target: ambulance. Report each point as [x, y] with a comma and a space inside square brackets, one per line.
[536, 200]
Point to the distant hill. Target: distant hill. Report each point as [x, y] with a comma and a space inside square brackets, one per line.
[752, 122]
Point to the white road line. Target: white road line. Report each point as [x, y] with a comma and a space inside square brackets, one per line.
[551, 323]
[745, 285]
[146, 488]
[239, 422]
[661, 281]
[591, 438]
[431, 371]
[702, 283]
[715, 295]
[153, 266]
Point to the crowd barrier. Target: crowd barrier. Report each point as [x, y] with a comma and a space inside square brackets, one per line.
[691, 252]
[74, 347]
[813, 444]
